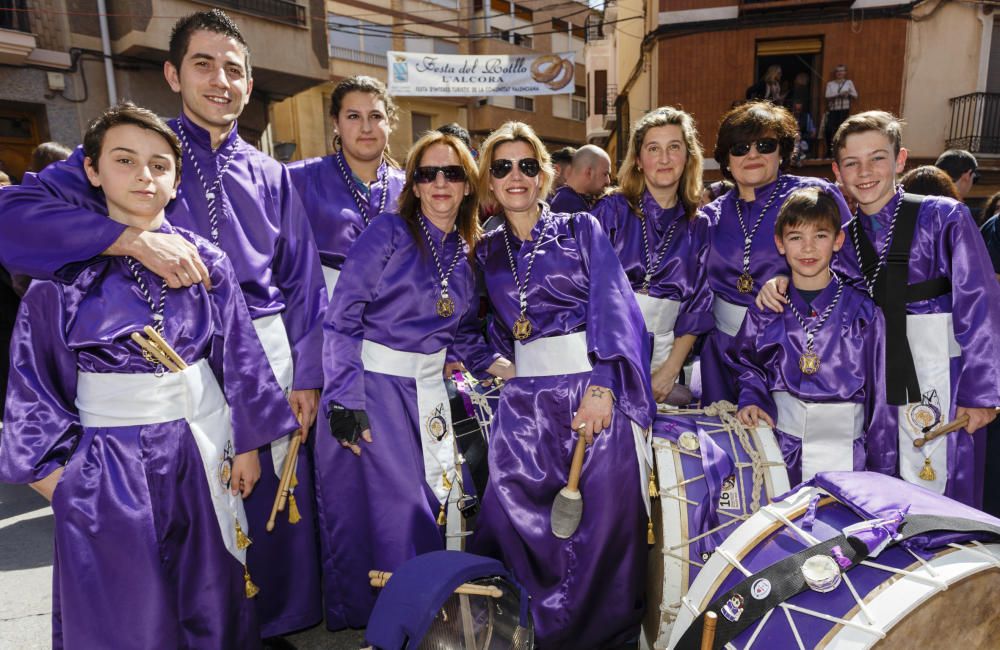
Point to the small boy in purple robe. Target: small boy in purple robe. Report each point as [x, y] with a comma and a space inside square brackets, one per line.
[814, 373]
[141, 465]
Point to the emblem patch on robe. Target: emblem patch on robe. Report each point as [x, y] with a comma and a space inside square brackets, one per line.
[927, 414]
[437, 425]
[226, 466]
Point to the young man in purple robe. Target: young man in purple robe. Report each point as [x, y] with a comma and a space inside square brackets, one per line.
[925, 265]
[587, 177]
[244, 202]
[814, 373]
[138, 462]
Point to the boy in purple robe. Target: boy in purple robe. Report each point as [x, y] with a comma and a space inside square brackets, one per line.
[137, 462]
[814, 373]
[925, 265]
[55, 226]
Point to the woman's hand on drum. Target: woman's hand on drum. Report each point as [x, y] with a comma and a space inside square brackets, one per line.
[502, 368]
[663, 381]
[772, 294]
[594, 415]
[753, 415]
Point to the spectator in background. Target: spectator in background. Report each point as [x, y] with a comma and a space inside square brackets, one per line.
[928, 180]
[586, 179]
[992, 207]
[460, 132]
[840, 92]
[47, 153]
[561, 160]
[962, 167]
[801, 92]
[991, 233]
[807, 132]
[4, 179]
[769, 87]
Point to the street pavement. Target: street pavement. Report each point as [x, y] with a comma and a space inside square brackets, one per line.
[26, 579]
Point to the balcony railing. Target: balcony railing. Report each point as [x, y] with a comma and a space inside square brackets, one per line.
[14, 15]
[358, 56]
[975, 123]
[281, 11]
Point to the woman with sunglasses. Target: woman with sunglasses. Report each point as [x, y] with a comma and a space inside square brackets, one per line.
[341, 194]
[406, 294]
[563, 307]
[753, 149]
[660, 238]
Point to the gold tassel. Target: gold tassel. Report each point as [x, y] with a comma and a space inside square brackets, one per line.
[654, 492]
[442, 518]
[927, 473]
[242, 541]
[293, 510]
[251, 589]
[444, 481]
[650, 536]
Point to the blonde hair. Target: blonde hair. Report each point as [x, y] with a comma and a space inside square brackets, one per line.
[633, 181]
[773, 72]
[467, 220]
[513, 132]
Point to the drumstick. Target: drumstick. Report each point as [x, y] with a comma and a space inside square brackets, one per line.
[380, 578]
[161, 343]
[286, 477]
[943, 430]
[708, 630]
[156, 352]
[567, 508]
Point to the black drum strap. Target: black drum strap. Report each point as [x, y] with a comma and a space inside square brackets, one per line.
[470, 439]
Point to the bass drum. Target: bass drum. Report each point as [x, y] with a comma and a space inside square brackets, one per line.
[937, 590]
[712, 473]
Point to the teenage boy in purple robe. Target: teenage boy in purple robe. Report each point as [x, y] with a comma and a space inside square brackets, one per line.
[925, 265]
[139, 463]
[55, 225]
[815, 373]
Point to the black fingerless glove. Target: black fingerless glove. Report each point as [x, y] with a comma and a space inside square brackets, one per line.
[347, 424]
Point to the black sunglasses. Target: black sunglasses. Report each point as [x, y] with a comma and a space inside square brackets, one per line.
[452, 174]
[764, 146]
[528, 166]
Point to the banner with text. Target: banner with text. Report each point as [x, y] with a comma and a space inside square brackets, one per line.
[456, 75]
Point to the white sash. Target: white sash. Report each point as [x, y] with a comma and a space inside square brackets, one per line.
[567, 355]
[728, 317]
[660, 315]
[437, 439]
[932, 344]
[274, 339]
[119, 400]
[330, 276]
[827, 431]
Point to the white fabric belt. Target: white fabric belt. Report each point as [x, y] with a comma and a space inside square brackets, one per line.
[437, 438]
[827, 431]
[552, 355]
[728, 317]
[274, 340]
[120, 400]
[660, 315]
[330, 276]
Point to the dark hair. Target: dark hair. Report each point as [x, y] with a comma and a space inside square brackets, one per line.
[563, 156]
[881, 121]
[753, 120]
[956, 162]
[47, 153]
[363, 84]
[209, 21]
[808, 206]
[929, 181]
[457, 130]
[128, 113]
[991, 207]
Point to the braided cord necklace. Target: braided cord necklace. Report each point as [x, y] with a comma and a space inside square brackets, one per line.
[809, 360]
[445, 305]
[522, 326]
[883, 255]
[661, 250]
[157, 307]
[364, 205]
[744, 284]
[212, 191]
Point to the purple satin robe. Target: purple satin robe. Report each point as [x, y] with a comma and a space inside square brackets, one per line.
[54, 226]
[725, 264]
[566, 199]
[136, 492]
[387, 293]
[850, 344]
[947, 244]
[681, 275]
[587, 591]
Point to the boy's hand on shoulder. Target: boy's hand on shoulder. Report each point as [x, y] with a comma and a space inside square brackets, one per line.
[772, 294]
[168, 255]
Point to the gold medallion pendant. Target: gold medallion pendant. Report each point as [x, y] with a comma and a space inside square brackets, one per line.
[522, 328]
[445, 306]
[809, 363]
[927, 472]
[745, 283]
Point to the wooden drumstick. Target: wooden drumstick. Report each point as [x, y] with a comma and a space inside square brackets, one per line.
[156, 352]
[567, 508]
[943, 430]
[286, 477]
[708, 630]
[161, 343]
[380, 578]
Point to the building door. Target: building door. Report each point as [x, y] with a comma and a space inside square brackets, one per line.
[801, 64]
[20, 133]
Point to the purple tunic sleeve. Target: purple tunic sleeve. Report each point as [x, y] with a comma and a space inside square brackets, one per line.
[469, 345]
[299, 276]
[748, 364]
[41, 425]
[54, 223]
[695, 315]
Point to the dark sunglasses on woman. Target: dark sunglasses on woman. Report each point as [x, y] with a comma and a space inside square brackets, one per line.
[528, 166]
[452, 174]
[764, 146]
